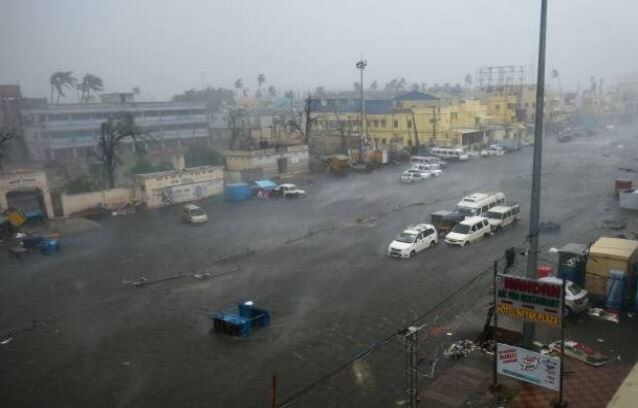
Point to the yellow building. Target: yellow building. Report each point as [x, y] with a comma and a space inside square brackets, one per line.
[469, 123]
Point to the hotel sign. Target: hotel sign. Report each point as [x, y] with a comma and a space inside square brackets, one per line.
[528, 366]
[528, 299]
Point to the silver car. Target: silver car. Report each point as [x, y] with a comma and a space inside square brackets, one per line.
[576, 298]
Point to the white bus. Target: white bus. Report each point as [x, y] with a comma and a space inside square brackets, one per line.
[450, 153]
[479, 203]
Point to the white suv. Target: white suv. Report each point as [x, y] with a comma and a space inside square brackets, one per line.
[469, 230]
[414, 239]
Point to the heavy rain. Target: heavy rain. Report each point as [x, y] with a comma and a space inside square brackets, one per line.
[336, 204]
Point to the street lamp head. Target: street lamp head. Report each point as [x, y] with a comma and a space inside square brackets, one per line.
[362, 64]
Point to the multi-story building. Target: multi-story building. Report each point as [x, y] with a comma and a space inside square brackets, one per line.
[68, 131]
[470, 123]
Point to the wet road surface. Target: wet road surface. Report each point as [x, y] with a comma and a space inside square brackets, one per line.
[319, 267]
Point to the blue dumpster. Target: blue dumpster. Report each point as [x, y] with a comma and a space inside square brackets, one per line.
[239, 322]
[237, 192]
[50, 246]
[614, 289]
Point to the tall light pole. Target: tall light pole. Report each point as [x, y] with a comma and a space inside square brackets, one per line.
[534, 216]
[361, 66]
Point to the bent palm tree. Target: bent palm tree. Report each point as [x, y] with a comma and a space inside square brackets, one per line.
[272, 91]
[239, 85]
[60, 80]
[90, 83]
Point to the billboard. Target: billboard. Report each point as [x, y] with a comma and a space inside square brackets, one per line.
[529, 299]
[529, 366]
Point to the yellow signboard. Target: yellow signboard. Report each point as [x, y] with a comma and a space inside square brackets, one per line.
[531, 315]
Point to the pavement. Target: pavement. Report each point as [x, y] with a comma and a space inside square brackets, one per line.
[627, 395]
[319, 266]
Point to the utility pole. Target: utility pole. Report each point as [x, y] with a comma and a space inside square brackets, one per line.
[361, 66]
[534, 217]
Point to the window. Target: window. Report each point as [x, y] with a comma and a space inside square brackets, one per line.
[497, 107]
[484, 209]
[409, 124]
[375, 123]
[429, 232]
[396, 123]
[485, 223]
[383, 122]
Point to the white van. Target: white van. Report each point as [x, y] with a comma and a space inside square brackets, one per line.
[503, 215]
[493, 150]
[414, 239]
[479, 203]
[469, 230]
[450, 153]
[194, 215]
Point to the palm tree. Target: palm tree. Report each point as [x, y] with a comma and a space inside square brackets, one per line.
[272, 91]
[239, 85]
[90, 83]
[468, 80]
[261, 79]
[60, 80]
[374, 86]
[555, 75]
[136, 90]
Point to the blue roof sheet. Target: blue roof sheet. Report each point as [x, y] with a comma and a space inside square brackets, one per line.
[266, 184]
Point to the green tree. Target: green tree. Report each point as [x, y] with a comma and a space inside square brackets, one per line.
[239, 86]
[90, 83]
[60, 80]
[5, 137]
[144, 166]
[272, 91]
[113, 133]
[215, 98]
[83, 183]
[202, 155]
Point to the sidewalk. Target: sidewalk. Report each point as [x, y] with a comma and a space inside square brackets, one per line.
[627, 394]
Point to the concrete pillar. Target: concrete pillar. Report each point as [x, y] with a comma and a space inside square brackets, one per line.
[4, 204]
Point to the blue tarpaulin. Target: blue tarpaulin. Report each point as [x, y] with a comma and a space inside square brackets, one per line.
[266, 185]
[237, 191]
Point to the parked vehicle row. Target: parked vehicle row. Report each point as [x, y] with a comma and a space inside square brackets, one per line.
[420, 171]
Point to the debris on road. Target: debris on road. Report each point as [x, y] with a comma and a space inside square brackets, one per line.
[202, 276]
[10, 334]
[144, 281]
[460, 349]
[233, 257]
[240, 322]
[604, 315]
[581, 352]
[549, 226]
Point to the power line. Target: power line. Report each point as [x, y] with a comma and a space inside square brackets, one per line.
[382, 343]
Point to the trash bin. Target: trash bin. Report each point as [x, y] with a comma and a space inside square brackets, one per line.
[614, 289]
[544, 271]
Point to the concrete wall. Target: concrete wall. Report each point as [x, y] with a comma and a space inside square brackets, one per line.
[266, 160]
[26, 180]
[110, 199]
[170, 187]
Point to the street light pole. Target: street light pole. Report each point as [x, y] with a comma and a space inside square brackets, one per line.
[361, 66]
[534, 217]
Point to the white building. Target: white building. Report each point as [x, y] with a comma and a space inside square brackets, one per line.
[67, 131]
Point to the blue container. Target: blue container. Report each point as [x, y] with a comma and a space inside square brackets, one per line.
[237, 192]
[614, 289]
[50, 246]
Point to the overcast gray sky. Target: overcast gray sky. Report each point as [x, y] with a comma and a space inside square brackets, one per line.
[164, 46]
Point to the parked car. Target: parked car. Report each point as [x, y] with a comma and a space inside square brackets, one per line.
[414, 239]
[434, 170]
[412, 175]
[289, 191]
[493, 150]
[429, 160]
[469, 230]
[192, 214]
[576, 298]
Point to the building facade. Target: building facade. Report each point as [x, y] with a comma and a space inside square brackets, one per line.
[69, 131]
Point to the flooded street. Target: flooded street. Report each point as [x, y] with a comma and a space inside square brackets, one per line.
[319, 266]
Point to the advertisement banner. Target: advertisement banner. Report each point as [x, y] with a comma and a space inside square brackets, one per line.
[528, 366]
[528, 299]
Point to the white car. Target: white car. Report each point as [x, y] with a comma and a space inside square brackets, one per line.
[192, 214]
[503, 215]
[414, 239]
[432, 169]
[469, 230]
[576, 298]
[412, 175]
[289, 191]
